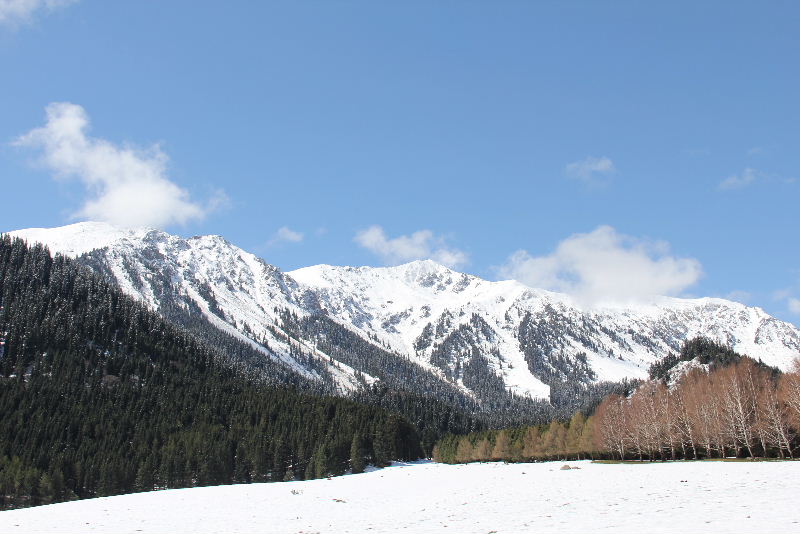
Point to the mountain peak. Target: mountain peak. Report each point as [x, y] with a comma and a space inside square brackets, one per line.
[425, 264]
[427, 275]
[425, 267]
[80, 238]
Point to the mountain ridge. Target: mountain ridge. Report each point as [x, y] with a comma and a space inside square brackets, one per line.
[456, 326]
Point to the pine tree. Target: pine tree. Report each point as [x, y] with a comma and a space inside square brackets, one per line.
[323, 462]
[357, 454]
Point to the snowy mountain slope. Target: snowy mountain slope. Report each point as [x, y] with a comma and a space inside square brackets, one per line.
[417, 310]
[475, 334]
[531, 337]
[236, 291]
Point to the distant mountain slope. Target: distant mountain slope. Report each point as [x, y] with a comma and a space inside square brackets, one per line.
[477, 335]
[531, 337]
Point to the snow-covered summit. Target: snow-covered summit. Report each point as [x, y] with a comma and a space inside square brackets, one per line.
[79, 238]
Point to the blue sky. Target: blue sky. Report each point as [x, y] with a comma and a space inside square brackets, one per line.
[588, 147]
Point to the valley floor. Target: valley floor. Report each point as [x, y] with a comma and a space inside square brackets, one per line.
[703, 497]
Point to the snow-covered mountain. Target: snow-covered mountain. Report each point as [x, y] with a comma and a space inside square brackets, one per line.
[462, 329]
[531, 337]
[234, 290]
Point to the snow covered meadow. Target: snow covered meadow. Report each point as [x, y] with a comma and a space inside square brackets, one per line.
[673, 497]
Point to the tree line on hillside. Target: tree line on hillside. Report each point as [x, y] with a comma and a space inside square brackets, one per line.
[722, 404]
[100, 396]
[491, 406]
[408, 388]
[574, 439]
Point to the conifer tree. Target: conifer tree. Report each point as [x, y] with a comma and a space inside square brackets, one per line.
[357, 460]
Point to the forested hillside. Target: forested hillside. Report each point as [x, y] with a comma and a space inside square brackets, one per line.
[100, 396]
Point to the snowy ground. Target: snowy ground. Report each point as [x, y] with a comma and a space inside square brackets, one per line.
[703, 497]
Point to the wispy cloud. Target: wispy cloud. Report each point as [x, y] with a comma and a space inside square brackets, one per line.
[605, 267]
[284, 234]
[738, 181]
[787, 296]
[751, 176]
[20, 11]
[591, 171]
[756, 151]
[420, 245]
[125, 185]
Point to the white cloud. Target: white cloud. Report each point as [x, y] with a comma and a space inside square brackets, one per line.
[126, 186]
[738, 181]
[794, 305]
[605, 267]
[16, 11]
[590, 170]
[422, 244]
[287, 235]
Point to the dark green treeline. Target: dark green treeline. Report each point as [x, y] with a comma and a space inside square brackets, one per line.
[100, 396]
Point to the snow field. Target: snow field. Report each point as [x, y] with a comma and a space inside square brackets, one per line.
[706, 497]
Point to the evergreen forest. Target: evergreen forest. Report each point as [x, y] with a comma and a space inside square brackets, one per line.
[101, 396]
